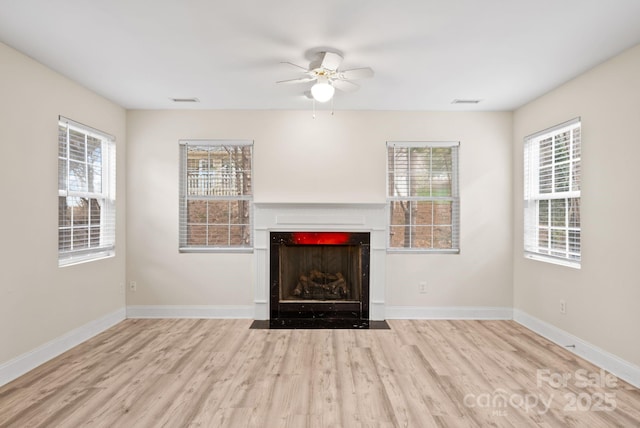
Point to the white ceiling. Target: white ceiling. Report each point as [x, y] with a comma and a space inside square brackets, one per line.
[425, 53]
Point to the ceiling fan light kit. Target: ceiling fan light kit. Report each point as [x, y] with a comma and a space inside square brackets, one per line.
[323, 69]
[322, 90]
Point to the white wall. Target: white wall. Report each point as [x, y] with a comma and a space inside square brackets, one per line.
[39, 301]
[603, 297]
[340, 158]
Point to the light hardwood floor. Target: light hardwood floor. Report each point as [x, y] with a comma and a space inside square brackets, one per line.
[220, 373]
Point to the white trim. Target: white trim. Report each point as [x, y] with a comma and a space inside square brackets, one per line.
[553, 129]
[620, 368]
[20, 365]
[86, 129]
[215, 143]
[422, 143]
[190, 311]
[453, 312]
[553, 260]
[319, 217]
[261, 310]
[294, 220]
[376, 310]
[233, 250]
[76, 259]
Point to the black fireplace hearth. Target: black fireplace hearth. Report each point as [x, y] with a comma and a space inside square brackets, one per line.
[319, 280]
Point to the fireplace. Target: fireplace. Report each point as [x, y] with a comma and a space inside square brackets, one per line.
[277, 217]
[319, 279]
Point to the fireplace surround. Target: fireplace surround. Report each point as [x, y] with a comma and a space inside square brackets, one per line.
[369, 218]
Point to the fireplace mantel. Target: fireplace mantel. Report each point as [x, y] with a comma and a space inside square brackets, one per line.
[326, 217]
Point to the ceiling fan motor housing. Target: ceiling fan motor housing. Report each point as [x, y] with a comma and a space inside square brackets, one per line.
[324, 70]
[326, 61]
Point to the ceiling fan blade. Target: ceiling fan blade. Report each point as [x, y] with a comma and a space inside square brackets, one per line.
[295, 65]
[356, 73]
[330, 60]
[298, 80]
[345, 85]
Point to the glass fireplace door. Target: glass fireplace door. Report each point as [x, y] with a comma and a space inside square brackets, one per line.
[319, 275]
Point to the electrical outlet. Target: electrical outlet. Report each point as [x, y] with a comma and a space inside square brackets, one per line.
[422, 287]
[563, 307]
[133, 286]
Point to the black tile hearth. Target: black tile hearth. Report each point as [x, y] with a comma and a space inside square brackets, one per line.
[307, 323]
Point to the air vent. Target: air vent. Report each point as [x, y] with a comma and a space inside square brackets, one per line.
[465, 101]
[185, 100]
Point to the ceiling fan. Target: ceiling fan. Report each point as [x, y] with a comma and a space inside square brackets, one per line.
[324, 70]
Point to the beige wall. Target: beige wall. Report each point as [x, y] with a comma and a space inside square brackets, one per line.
[38, 300]
[603, 297]
[338, 158]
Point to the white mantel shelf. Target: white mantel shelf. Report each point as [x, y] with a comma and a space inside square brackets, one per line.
[311, 217]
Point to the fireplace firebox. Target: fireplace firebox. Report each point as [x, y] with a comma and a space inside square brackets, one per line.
[319, 279]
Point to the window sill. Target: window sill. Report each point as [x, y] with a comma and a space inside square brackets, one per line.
[553, 260]
[420, 251]
[72, 261]
[230, 250]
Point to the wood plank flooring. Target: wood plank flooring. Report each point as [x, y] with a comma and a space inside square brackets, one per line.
[220, 373]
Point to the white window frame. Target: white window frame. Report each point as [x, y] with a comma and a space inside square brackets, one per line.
[535, 199]
[105, 196]
[454, 198]
[205, 174]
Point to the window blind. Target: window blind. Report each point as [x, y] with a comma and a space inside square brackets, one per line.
[552, 179]
[86, 193]
[423, 196]
[215, 195]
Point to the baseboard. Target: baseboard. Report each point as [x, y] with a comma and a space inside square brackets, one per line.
[260, 310]
[20, 365]
[190, 311]
[377, 310]
[454, 312]
[615, 365]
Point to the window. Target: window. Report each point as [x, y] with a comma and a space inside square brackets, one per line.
[86, 193]
[423, 196]
[552, 194]
[215, 195]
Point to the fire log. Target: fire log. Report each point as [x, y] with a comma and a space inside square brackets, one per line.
[325, 283]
